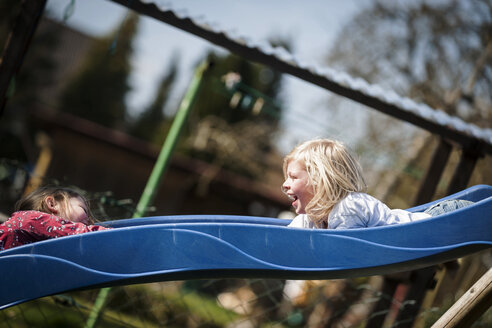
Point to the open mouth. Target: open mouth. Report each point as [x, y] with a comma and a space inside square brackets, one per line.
[292, 197]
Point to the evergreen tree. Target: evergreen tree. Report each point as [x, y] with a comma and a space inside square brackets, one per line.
[148, 126]
[97, 92]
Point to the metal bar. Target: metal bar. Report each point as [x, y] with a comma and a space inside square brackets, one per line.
[97, 307]
[255, 53]
[17, 44]
[170, 142]
[158, 171]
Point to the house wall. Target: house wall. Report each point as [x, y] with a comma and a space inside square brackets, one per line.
[98, 159]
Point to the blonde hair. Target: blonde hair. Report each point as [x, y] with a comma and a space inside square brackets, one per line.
[333, 172]
[35, 201]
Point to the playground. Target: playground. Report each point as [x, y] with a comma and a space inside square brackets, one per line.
[199, 232]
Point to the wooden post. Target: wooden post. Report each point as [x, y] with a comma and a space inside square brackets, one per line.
[421, 281]
[433, 175]
[461, 176]
[17, 44]
[424, 276]
[463, 171]
[42, 164]
[470, 306]
[382, 307]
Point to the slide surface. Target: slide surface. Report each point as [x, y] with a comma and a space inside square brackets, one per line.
[212, 246]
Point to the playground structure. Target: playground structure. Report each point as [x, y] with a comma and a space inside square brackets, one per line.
[474, 142]
[204, 247]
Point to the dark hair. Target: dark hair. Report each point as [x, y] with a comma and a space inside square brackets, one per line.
[35, 201]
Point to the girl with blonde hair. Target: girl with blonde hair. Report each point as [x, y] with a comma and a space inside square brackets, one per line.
[325, 183]
[48, 212]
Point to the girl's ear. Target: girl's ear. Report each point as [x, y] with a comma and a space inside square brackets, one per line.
[52, 205]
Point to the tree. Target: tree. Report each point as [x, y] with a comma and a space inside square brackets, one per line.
[97, 92]
[438, 53]
[435, 52]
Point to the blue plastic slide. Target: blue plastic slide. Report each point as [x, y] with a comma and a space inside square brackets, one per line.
[207, 246]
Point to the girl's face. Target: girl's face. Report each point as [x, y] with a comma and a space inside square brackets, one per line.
[77, 210]
[297, 186]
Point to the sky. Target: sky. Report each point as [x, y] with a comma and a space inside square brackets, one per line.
[311, 25]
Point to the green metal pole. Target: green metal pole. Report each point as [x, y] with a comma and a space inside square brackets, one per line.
[171, 140]
[158, 171]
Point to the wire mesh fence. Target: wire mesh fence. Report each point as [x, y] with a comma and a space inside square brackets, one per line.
[221, 303]
[209, 303]
[225, 302]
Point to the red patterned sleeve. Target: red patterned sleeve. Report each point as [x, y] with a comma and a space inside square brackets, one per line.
[53, 226]
[27, 227]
